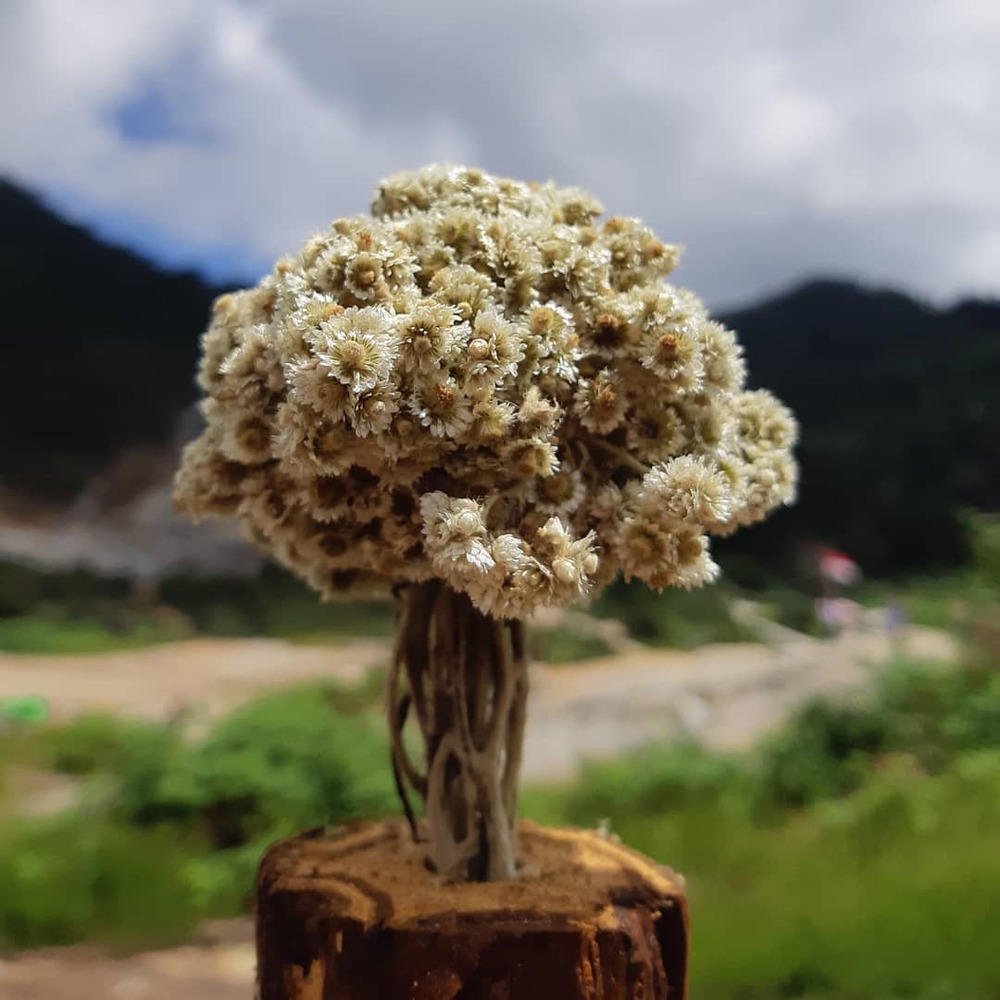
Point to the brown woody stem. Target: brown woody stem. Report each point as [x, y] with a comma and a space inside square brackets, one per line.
[462, 677]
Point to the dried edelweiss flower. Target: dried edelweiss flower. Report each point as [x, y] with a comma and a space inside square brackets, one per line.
[483, 384]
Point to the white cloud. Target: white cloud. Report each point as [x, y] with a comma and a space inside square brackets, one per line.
[776, 140]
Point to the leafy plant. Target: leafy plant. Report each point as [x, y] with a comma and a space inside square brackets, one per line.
[278, 764]
[64, 880]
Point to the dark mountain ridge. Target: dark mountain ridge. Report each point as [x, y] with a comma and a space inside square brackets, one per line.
[99, 349]
[897, 399]
[898, 406]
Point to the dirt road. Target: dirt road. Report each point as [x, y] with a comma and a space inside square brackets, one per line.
[725, 696]
[211, 675]
[219, 969]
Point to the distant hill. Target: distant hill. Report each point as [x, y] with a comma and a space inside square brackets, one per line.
[899, 404]
[897, 399]
[99, 349]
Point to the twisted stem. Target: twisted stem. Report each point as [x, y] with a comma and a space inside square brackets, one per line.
[462, 677]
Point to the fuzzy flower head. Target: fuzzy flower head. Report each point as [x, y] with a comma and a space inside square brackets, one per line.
[357, 348]
[484, 383]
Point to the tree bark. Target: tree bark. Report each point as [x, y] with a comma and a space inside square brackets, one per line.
[354, 914]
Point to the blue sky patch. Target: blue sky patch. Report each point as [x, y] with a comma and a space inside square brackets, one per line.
[152, 114]
[219, 264]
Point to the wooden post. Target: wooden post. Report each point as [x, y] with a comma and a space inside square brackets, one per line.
[354, 914]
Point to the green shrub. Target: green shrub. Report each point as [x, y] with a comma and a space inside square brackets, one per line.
[930, 712]
[937, 711]
[894, 894]
[683, 619]
[890, 891]
[273, 603]
[74, 878]
[652, 780]
[91, 743]
[156, 783]
[823, 752]
[278, 764]
[366, 695]
[178, 828]
[565, 645]
[221, 883]
[791, 608]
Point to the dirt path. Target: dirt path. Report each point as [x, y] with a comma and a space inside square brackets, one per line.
[209, 674]
[219, 968]
[726, 696]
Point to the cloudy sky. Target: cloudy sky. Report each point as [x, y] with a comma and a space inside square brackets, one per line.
[775, 139]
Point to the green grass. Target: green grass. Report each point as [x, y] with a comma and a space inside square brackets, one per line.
[894, 889]
[39, 634]
[852, 855]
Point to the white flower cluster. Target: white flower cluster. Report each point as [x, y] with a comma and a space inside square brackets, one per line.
[482, 383]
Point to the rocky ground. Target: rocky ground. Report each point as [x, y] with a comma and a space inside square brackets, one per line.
[725, 695]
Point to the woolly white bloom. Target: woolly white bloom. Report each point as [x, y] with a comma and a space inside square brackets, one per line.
[312, 384]
[429, 335]
[494, 350]
[247, 440]
[537, 413]
[561, 493]
[484, 384]
[456, 536]
[530, 457]
[465, 289]
[490, 421]
[675, 355]
[373, 411]
[252, 359]
[663, 558]
[569, 562]
[722, 357]
[765, 425]
[357, 347]
[363, 264]
[510, 552]
[688, 490]
[601, 402]
[442, 407]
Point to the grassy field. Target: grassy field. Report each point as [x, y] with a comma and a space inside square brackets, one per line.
[51, 635]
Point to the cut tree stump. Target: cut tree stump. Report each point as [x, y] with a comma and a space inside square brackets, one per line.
[354, 914]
